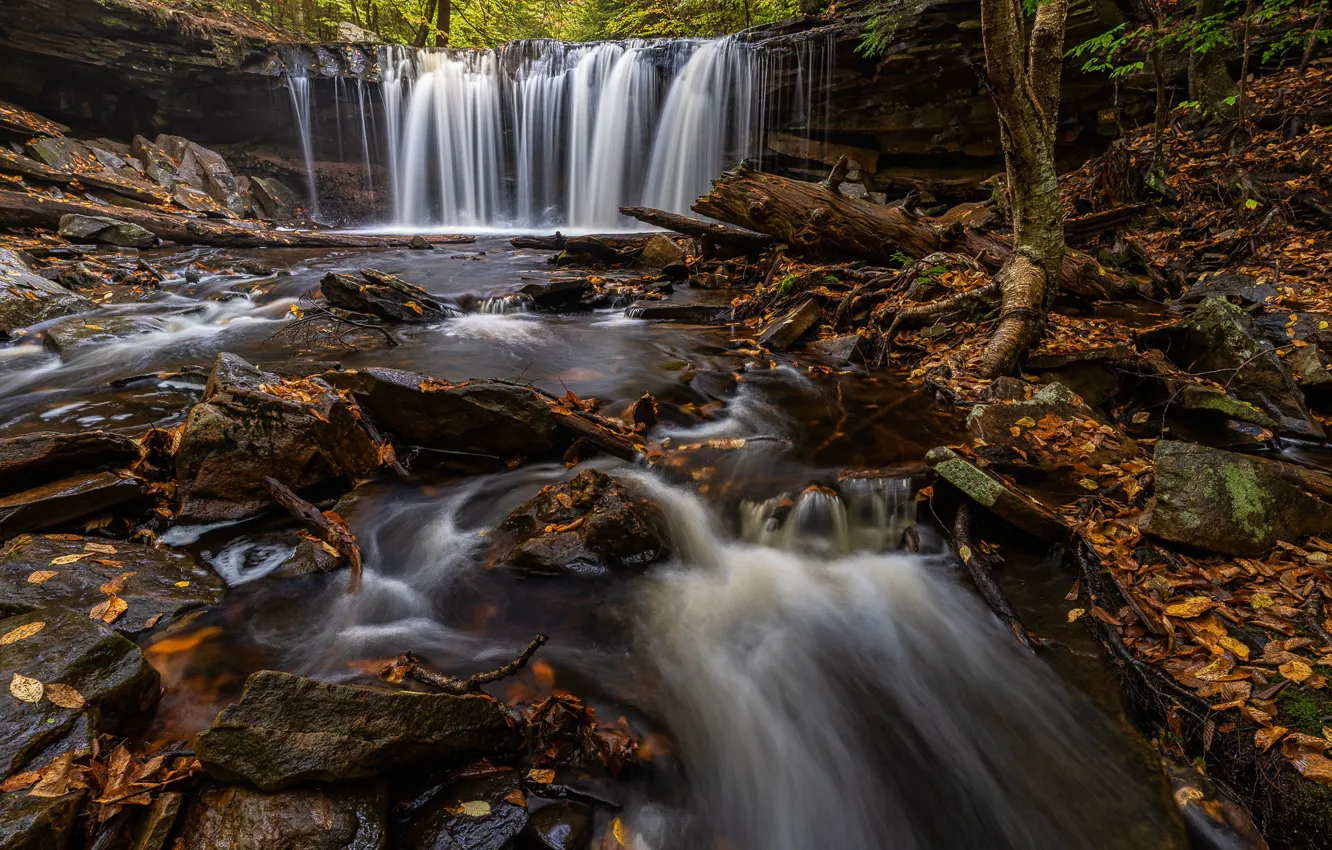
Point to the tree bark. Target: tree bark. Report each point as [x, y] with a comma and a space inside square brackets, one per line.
[1209, 81]
[442, 23]
[815, 220]
[734, 241]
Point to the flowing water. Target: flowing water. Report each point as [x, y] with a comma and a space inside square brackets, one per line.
[804, 681]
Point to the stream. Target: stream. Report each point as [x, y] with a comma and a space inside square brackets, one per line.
[799, 678]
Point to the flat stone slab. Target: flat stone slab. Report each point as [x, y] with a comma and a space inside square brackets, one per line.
[60, 502]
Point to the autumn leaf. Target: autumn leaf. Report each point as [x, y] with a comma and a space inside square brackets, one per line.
[1265, 738]
[65, 560]
[1076, 613]
[20, 781]
[65, 696]
[42, 576]
[28, 690]
[541, 776]
[100, 548]
[1194, 606]
[22, 632]
[472, 809]
[1240, 649]
[109, 610]
[1295, 670]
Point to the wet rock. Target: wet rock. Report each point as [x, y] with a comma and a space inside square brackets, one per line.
[16, 163]
[123, 188]
[1198, 398]
[481, 418]
[996, 495]
[1227, 503]
[63, 154]
[45, 456]
[853, 190]
[1221, 341]
[848, 347]
[1309, 367]
[26, 298]
[62, 502]
[248, 426]
[783, 331]
[108, 231]
[1282, 329]
[690, 314]
[1006, 388]
[382, 295]
[205, 170]
[560, 826]
[555, 294]
[232, 817]
[288, 730]
[1240, 289]
[273, 200]
[195, 200]
[1052, 429]
[660, 252]
[474, 812]
[85, 679]
[155, 585]
[65, 334]
[37, 823]
[157, 165]
[978, 214]
[158, 822]
[588, 525]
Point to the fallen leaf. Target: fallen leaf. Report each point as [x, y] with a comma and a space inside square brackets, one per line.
[1194, 606]
[115, 585]
[100, 548]
[1076, 613]
[109, 610]
[472, 808]
[1265, 738]
[28, 690]
[517, 797]
[56, 777]
[22, 632]
[964, 552]
[20, 781]
[42, 576]
[564, 499]
[65, 696]
[1239, 648]
[1295, 670]
[65, 560]
[541, 775]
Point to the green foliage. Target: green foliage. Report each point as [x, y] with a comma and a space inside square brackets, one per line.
[1305, 712]
[787, 285]
[900, 259]
[885, 17]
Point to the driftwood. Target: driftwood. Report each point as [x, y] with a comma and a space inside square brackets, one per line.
[327, 525]
[812, 218]
[978, 566]
[18, 209]
[408, 666]
[732, 241]
[607, 439]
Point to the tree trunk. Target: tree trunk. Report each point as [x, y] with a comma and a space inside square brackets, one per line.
[1209, 81]
[1025, 86]
[442, 23]
[423, 33]
[733, 241]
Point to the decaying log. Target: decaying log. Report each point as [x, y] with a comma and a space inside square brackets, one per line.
[328, 526]
[610, 248]
[733, 241]
[978, 566]
[814, 219]
[18, 209]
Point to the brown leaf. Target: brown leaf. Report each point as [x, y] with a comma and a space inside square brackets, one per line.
[42, 576]
[109, 610]
[22, 632]
[1265, 738]
[65, 696]
[20, 781]
[1194, 606]
[56, 777]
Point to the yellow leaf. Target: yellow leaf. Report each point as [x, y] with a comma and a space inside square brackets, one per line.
[1089, 484]
[618, 830]
[964, 552]
[416, 308]
[65, 560]
[1296, 670]
[109, 610]
[1027, 422]
[93, 327]
[473, 809]
[1076, 613]
[1194, 606]
[100, 548]
[564, 499]
[65, 696]
[23, 632]
[28, 690]
[542, 776]
[1240, 649]
[182, 584]
[1265, 738]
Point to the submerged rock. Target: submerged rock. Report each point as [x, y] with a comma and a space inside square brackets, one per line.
[288, 730]
[848, 347]
[783, 331]
[109, 231]
[233, 817]
[153, 586]
[70, 677]
[1227, 503]
[588, 525]
[250, 425]
[1221, 341]
[691, 314]
[44, 456]
[487, 420]
[382, 295]
[1052, 429]
[61, 502]
[26, 298]
[560, 826]
[998, 496]
[473, 812]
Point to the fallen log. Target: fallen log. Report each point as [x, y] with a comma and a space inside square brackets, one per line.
[611, 248]
[814, 219]
[712, 235]
[978, 566]
[18, 209]
[330, 527]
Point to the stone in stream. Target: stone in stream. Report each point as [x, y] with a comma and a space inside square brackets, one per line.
[1221, 341]
[691, 314]
[486, 420]
[288, 730]
[473, 812]
[848, 347]
[565, 292]
[1227, 503]
[106, 230]
[997, 496]
[26, 298]
[1200, 398]
[38, 823]
[588, 525]
[785, 330]
[560, 826]
[65, 334]
[382, 295]
[1052, 429]
[41, 457]
[420, 243]
[660, 252]
[234, 817]
[60, 503]
[250, 425]
[69, 678]
[272, 199]
[78, 574]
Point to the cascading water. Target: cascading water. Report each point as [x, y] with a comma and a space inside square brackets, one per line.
[299, 89]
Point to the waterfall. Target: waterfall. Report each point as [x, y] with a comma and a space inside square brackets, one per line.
[299, 89]
[541, 133]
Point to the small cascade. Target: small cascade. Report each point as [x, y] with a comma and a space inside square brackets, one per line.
[299, 89]
[503, 304]
[868, 514]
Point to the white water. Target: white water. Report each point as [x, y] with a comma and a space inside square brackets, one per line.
[299, 89]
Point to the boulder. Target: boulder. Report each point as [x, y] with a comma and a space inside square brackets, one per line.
[108, 231]
[63, 154]
[62, 502]
[552, 295]
[15, 163]
[288, 730]
[1241, 289]
[250, 425]
[998, 496]
[783, 331]
[205, 170]
[69, 677]
[157, 164]
[488, 418]
[1220, 340]
[26, 299]
[588, 525]
[473, 812]
[659, 252]
[382, 295]
[72, 331]
[1227, 503]
[273, 200]
[690, 314]
[45, 456]
[195, 200]
[153, 831]
[848, 347]
[1200, 398]
[1309, 366]
[1051, 430]
[560, 826]
[131, 188]
[37, 823]
[77, 574]
[233, 817]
